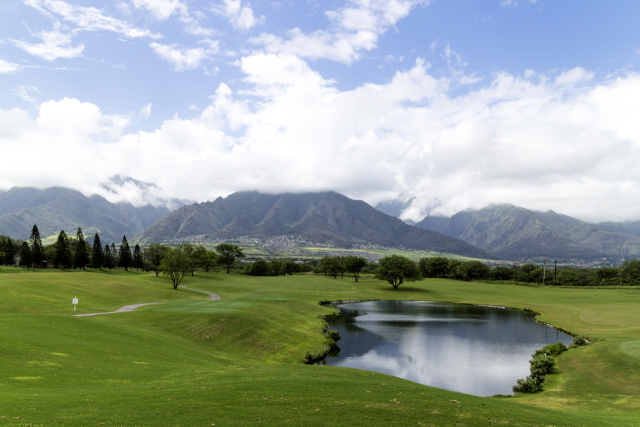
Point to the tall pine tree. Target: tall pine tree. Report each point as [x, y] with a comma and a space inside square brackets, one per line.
[114, 255]
[63, 251]
[37, 250]
[81, 258]
[138, 263]
[108, 259]
[97, 253]
[125, 259]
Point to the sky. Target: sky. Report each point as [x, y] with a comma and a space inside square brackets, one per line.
[449, 104]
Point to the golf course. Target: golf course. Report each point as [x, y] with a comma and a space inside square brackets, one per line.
[188, 360]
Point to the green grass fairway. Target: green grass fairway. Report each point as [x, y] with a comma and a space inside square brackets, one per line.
[192, 362]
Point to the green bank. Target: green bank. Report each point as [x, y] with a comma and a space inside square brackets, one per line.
[187, 361]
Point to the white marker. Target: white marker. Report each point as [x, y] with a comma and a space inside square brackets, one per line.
[75, 301]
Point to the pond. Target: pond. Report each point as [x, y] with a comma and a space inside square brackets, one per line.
[467, 348]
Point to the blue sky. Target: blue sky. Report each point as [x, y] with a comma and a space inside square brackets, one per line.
[452, 104]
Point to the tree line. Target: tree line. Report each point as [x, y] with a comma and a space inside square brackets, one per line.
[68, 252]
[627, 274]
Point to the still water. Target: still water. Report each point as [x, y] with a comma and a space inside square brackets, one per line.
[466, 348]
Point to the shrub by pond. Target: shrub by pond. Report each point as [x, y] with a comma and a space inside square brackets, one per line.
[542, 364]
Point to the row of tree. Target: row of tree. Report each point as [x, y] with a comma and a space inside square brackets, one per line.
[627, 274]
[69, 252]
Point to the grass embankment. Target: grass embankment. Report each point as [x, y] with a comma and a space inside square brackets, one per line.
[237, 361]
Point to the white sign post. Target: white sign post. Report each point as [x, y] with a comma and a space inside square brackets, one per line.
[75, 301]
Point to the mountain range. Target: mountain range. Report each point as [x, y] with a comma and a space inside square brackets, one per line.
[57, 208]
[326, 217]
[511, 232]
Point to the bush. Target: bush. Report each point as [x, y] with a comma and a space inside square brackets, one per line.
[528, 385]
[311, 358]
[579, 341]
[551, 350]
[541, 365]
[333, 334]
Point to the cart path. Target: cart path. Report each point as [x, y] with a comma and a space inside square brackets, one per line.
[213, 296]
[134, 307]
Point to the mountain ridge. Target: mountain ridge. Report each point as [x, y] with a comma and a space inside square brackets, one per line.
[326, 217]
[513, 232]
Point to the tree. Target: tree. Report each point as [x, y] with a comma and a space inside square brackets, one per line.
[37, 250]
[97, 253]
[8, 250]
[190, 250]
[138, 263]
[228, 254]
[258, 268]
[396, 270]
[354, 265]
[607, 274]
[340, 266]
[108, 257]
[630, 272]
[434, 267]
[176, 264]
[473, 270]
[204, 258]
[115, 259]
[273, 267]
[63, 251]
[331, 266]
[154, 254]
[81, 258]
[25, 255]
[125, 259]
[289, 267]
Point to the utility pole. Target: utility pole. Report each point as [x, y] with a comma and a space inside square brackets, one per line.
[544, 271]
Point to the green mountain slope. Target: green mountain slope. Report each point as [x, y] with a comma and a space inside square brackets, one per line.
[321, 217]
[54, 209]
[512, 232]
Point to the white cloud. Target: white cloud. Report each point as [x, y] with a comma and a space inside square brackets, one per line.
[26, 93]
[241, 17]
[88, 18]
[574, 76]
[54, 45]
[8, 67]
[146, 111]
[184, 58]
[353, 29]
[161, 9]
[574, 149]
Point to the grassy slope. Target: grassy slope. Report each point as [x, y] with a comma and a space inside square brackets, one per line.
[237, 361]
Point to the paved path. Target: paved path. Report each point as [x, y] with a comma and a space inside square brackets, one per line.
[134, 307]
[213, 296]
[120, 310]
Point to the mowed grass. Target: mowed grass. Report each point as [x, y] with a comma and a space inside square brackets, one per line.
[192, 362]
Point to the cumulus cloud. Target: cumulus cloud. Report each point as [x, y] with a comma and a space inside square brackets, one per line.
[184, 58]
[354, 29]
[241, 17]
[537, 144]
[54, 45]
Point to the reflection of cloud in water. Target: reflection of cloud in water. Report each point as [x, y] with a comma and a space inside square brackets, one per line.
[470, 354]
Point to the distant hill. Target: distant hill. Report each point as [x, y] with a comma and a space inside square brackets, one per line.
[511, 232]
[321, 217]
[56, 208]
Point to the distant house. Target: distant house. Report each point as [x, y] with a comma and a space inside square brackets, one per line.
[16, 261]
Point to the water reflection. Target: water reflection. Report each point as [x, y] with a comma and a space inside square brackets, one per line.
[470, 349]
